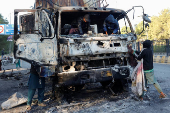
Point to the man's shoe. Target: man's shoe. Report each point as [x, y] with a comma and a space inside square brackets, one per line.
[28, 107]
[141, 98]
[34, 102]
[41, 104]
[162, 95]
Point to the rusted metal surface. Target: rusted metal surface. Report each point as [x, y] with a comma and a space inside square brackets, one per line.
[92, 48]
[58, 3]
[88, 57]
[35, 50]
[90, 76]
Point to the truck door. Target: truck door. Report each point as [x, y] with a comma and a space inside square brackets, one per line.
[36, 41]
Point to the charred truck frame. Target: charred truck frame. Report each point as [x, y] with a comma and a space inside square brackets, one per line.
[75, 59]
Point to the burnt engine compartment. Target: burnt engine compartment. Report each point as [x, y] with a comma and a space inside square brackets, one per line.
[94, 64]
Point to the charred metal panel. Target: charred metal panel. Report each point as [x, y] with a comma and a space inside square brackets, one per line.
[54, 3]
[27, 25]
[57, 3]
[96, 45]
[91, 76]
[31, 48]
[77, 58]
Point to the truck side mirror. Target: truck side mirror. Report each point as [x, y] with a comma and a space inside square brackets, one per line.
[146, 18]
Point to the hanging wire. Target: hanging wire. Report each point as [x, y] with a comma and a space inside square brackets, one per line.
[87, 2]
[53, 3]
[102, 3]
[105, 1]
[99, 1]
[133, 13]
[125, 25]
[95, 2]
[81, 3]
[64, 2]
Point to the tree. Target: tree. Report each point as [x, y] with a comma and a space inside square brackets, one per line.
[160, 26]
[138, 30]
[3, 38]
[124, 30]
[2, 20]
[141, 35]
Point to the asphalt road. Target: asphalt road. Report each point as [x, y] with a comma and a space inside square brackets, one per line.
[131, 105]
[104, 102]
[156, 105]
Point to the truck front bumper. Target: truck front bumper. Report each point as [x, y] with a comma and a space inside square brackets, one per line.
[92, 76]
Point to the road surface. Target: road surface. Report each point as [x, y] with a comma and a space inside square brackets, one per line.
[97, 100]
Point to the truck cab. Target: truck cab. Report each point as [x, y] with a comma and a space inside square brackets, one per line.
[75, 59]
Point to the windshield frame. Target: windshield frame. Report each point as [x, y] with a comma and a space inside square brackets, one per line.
[122, 14]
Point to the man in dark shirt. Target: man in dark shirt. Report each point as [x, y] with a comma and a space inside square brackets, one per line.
[82, 25]
[110, 25]
[2, 53]
[0, 64]
[35, 82]
[147, 56]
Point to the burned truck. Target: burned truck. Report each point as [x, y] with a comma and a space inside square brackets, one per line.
[75, 59]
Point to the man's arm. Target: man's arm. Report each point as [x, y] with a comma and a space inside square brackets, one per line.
[138, 55]
[79, 25]
[89, 28]
[104, 27]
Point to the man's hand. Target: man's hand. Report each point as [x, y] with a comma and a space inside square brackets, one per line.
[106, 32]
[130, 50]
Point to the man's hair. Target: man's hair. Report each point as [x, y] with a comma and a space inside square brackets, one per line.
[87, 17]
[147, 44]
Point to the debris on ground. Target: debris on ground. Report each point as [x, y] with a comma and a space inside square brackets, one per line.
[10, 74]
[14, 100]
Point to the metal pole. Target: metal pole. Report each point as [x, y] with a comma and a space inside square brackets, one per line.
[9, 48]
[10, 18]
[167, 47]
[138, 46]
[152, 46]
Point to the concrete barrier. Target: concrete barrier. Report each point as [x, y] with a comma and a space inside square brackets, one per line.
[154, 58]
[168, 59]
[161, 59]
[158, 59]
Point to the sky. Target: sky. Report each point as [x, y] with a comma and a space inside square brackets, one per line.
[7, 7]
[151, 7]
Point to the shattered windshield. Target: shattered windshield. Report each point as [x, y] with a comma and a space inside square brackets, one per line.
[85, 24]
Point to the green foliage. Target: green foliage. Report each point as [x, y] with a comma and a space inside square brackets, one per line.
[158, 29]
[3, 38]
[125, 30]
[5, 44]
[2, 20]
[138, 29]
[160, 26]
[159, 48]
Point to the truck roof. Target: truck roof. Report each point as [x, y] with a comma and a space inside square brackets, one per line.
[90, 9]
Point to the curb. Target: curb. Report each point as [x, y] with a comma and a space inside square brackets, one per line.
[161, 59]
